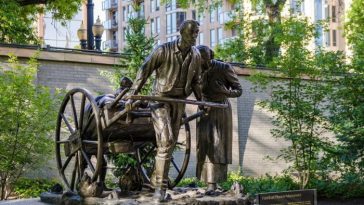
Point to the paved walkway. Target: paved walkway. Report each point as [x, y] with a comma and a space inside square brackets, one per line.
[32, 201]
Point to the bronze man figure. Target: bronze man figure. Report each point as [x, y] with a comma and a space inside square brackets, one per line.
[214, 131]
[177, 72]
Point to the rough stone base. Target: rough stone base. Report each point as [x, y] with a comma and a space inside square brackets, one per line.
[179, 196]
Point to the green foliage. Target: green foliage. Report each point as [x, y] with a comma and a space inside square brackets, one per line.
[27, 188]
[138, 45]
[191, 181]
[17, 22]
[27, 118]
[298, 102]
[255, 185]
[354, 31]
[349, 185]
[122, 163]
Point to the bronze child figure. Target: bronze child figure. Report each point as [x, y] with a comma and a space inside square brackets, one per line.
[214, 131]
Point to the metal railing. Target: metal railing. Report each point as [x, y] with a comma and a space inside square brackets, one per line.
[110, 45]
[110, 24]
[109, 4]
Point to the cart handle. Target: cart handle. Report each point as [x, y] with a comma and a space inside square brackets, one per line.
[176, 100]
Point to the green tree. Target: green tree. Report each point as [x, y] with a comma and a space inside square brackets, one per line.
[27, 118]
[17, 17]
[347, 108]
[298, 101]
[138, 47]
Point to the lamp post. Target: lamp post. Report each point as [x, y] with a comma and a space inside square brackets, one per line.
[82, 35]
[90, 21]
[98, 30]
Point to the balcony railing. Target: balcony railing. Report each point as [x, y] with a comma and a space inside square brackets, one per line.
[111, 24]
[110, 45]
[109, 4]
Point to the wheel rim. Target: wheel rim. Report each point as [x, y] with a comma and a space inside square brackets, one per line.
[179, 160]
[71, 143]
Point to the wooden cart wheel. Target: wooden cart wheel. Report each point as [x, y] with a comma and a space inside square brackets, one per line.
[75, 146]
[179, 162]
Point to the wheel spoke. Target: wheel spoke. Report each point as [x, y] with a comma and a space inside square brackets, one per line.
[89, 120]
[89, 163]
[73, 178]
[74, 112]
[68, 160]
[62, 141]
[70, 128]
[146, 155]
[79, 167]
[90, 142]
[83, 100]
[175, 166]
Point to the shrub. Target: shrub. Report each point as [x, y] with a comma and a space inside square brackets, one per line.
[27, 118]
[26, 188]
[255, 185]
[190, 181]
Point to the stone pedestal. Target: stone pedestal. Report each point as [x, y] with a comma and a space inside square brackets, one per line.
[179, 196]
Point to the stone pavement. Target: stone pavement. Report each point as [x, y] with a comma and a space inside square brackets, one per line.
[32, 201]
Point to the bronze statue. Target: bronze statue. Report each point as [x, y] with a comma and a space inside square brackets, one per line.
[214, 130]
[124, 83]
[177, 68]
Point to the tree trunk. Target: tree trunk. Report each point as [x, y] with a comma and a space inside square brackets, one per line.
[273, 11]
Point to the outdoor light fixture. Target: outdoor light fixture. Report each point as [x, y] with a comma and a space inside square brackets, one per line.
[82, 35]
[98, 30]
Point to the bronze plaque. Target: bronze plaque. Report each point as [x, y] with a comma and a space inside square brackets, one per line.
[298, 197]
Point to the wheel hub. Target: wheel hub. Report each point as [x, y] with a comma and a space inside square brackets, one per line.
[74, 143]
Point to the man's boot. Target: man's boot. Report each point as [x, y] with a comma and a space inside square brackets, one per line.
[159, 179]
[211, 189]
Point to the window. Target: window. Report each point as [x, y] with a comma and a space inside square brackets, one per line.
[152, 26]
[327, 12]
[125, 13]
[333, 37]
[152, 5]
[200, 18]
[212, 15]
[114, 35]
[124, 34]
[174, 23]
[158, 25]
[169, 24]
[157, 5]
[130, 11]
[327, 38]
[181, 16]
[220, 35]
[220, 15]
[194, 14]
[333, 13]
[212, 38]
[114, 16]
[297, 6]
[174, 20]
[172, 5]
[200, 38]
[141, 12]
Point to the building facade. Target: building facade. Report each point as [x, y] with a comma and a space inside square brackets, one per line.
[164, 20]
[55, 34]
